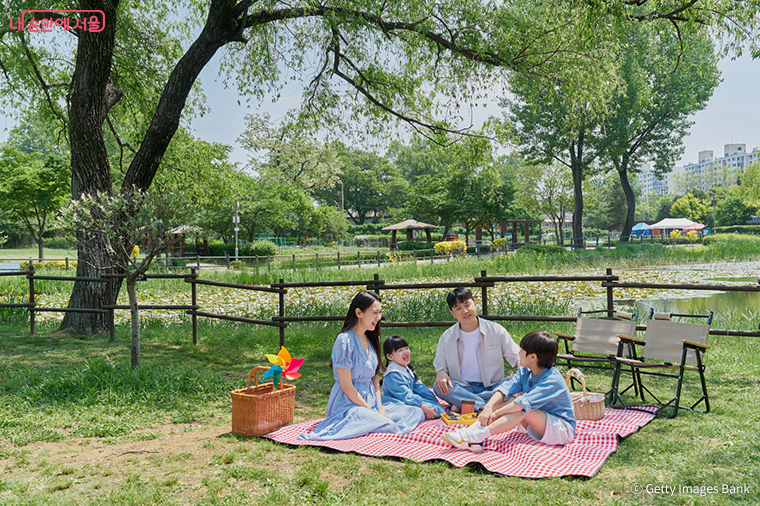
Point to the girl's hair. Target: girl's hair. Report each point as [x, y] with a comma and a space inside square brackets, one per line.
[362, 301]
[543, 345]
[393, 343]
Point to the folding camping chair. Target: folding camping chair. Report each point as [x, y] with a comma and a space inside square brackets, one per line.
[674, 346]
[594, 345]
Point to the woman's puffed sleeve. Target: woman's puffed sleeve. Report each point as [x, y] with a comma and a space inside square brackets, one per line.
[342, 351]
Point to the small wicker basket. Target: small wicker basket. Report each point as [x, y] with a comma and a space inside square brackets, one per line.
[262, 409]
[587, 405]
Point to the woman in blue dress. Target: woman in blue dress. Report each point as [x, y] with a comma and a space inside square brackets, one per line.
[355, 407]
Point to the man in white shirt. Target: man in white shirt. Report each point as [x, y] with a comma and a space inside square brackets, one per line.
[469, 359]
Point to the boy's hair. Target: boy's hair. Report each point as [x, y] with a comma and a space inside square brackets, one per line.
[543, 345]
[393, 343]
[458, 296]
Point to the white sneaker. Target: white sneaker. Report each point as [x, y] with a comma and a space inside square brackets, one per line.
[466, 438]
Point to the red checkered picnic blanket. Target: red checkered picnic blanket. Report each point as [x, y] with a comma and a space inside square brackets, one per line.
[510, 453]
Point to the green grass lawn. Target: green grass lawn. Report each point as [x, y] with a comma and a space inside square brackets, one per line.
[33, 253]
[77, 426]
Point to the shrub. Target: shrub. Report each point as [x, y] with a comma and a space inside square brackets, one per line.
[51, 264]
[739, 229]
[61, 242]
[692, 236]
[548, 249]
[218, 248]
[675, 234]
[361, 240]
[447, 248]
[260, 248]
[500, 243]
[411, 245]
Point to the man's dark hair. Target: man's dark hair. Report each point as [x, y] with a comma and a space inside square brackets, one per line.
[543, 345]
[458, 295]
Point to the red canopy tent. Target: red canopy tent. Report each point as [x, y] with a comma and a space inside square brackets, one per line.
[695, 226]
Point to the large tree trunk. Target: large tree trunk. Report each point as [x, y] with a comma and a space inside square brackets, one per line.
[576, 167]
[577, 241]
[90, 170]
[630, 200]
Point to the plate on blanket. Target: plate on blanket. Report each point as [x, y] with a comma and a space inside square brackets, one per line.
[510, 453]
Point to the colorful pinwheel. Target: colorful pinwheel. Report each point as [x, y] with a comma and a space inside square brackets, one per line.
[284, 366]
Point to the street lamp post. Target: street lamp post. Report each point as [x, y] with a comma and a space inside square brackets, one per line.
[236, 221]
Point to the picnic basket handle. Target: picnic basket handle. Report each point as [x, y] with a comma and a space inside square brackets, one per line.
[255, 379]
[579, 376]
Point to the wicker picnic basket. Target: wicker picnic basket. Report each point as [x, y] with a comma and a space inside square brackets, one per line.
[262, 409]
[587, 405]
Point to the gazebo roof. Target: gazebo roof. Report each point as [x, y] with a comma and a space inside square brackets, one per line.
[411, 225]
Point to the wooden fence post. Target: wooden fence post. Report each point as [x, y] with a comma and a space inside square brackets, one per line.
[227, 256]
[338, 260]
[378, 259]
[484, 294]
[194, 303]
[610, 300]
[377, 281]
[111, 311]
[67, 263]
[282, 313]
[359, 257]
[30, 277]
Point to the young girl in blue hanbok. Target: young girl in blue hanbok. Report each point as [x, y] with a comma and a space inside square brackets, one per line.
[355, 407]
[401, 384]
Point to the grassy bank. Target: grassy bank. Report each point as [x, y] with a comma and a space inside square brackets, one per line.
[79, 427]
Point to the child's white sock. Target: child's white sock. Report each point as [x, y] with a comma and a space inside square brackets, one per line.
[479, 433]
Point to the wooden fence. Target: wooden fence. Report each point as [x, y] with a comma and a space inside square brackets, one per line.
[608, 282]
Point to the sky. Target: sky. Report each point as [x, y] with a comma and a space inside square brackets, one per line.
[732, 114]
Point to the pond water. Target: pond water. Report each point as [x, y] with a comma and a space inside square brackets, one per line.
[720, 303]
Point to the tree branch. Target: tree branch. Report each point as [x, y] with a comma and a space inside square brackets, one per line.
[41, 80]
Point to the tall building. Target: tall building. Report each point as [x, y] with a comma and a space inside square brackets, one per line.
[649, 182]
[706, 173]
[710, 171]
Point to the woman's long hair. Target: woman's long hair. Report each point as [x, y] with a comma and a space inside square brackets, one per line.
[362, 301]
